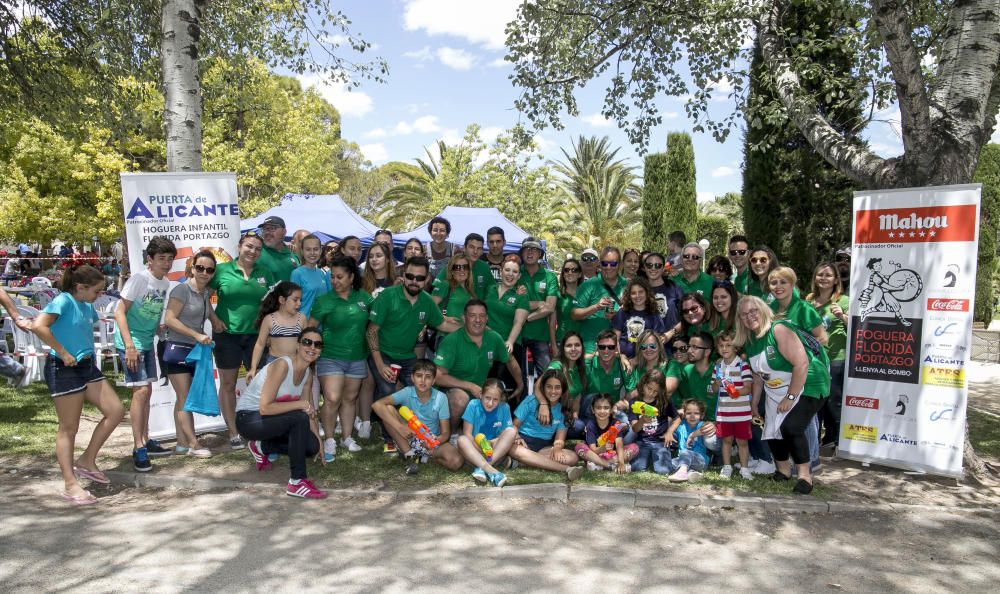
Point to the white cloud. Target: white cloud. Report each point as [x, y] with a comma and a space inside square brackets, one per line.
[376, 152]
[490, 133]
[351, 103]
[421, 55]
[670, 115]
[597, 120]
[376, 133]
[499, 63]
[705, 197]
[481, 23]
[458, 59]
[423, 124]
[723, 171]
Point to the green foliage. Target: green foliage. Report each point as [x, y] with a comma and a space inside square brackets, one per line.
[654, 203]
[681, 196]
[716, 230]
[729, 206]
[988, 174]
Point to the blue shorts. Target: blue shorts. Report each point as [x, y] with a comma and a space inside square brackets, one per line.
[351, 369]
[145, 370]
[63, 380]
[535, 444]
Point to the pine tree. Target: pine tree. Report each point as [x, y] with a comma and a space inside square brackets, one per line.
[988, 174]
[681, 196]
[654, 203]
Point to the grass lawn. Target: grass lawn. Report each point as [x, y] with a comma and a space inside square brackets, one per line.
[984, 433]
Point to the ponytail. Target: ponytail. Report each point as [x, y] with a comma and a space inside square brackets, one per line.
[84, 274]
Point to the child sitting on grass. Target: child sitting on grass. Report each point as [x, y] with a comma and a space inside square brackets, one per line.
[490, 416]
[692, 456]
[652, 430]
[542, 444]
[613, 454]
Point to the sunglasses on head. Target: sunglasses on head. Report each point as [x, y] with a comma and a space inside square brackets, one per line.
[606, 347]
[654, 265]
[200, 268]
[589, 258]
[737, 252]
[606, 264]
[691, 257]
[251, 234]
[308, 342]
[415, 277]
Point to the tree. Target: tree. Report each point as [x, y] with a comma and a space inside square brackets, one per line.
[682, 197]
[655, 189]
[598, 202]
[948, 112]
[988, 174]
[716, 230]
[181, 20]
[729, 206]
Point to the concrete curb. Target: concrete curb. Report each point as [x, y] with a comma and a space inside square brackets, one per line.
[612, 496]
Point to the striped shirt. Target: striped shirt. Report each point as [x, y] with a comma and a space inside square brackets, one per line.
[734, 410]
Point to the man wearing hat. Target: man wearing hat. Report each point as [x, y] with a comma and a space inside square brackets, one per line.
[588, 261]
[276, 257]
[843, 261]
[543, 292]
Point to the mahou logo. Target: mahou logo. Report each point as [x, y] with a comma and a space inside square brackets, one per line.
[912, 225]
[862, 402]
[935, 304]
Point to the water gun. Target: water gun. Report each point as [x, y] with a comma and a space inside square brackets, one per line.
[419, 429]
[485, 445]
[727, 384]
[611, 434]
[644, 410]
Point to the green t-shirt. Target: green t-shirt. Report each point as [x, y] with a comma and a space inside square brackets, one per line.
[573, 378]
[457, 298]
[669, 369]
[602, 382]
[800, 312]
[836, 331]
[543, 284]
[239, 298]
[818, 378]
[466, 361]
[753, 288]
[564, 316]
[698, 386]
[589, 293]
[741, 280]
[400, 322]
[500, 310]
[482, 278]
[701, 284]
[280, 263]
[344, 322]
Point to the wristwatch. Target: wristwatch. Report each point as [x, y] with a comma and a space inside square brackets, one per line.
[792, 396]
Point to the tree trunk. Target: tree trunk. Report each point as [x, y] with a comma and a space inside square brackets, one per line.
[181, 27]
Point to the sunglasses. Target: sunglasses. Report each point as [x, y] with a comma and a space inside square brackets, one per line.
[573, 270]
[680, 349]
[200, 268]
[694, 346]
[647, 347]
[251, 234]
[415, 277]
[606, 264]
[759, 260]
[460, 267]
[308, 342]
[722, 283]
[691, 257]
[654, 265]
[589, 258]
[692, 309]
[606, 347]
[737, 252]
[330, 248]
[843, 258]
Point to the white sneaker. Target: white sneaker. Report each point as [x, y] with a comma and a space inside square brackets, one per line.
[350, 444]
[726, 472]
[357, 423]
[753, 463]
[764, 467]
[364, 429]
[339, 430]
[694, 476]
[746, 474]
[591, 467]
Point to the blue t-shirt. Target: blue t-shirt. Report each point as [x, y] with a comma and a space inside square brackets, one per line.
[74, 328]
[682, 433]
[314, 282]
[430, 413]
[527, 412]
[491, 423]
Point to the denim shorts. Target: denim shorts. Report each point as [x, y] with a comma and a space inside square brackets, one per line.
[535, 444]
[145, 370]
[63, 380]
[351, 369]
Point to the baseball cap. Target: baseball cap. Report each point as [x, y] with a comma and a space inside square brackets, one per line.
[591, 252]
[844, 251]
[272, 220]
[531, 242]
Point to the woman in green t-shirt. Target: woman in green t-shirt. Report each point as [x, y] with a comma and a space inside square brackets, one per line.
[795, 383]
[649, 355]
[507, 309]
[789, 306]
[762, 262]
[724, 298]
[571, 362]
[570, 278]
[832, 305]
[456, 290]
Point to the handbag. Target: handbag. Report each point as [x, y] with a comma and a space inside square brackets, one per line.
[176, 353]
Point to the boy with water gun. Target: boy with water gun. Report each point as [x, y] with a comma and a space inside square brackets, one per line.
[732, 382]
[421, 426]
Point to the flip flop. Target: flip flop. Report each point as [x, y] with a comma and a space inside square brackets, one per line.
[95, 475]
[87, 499]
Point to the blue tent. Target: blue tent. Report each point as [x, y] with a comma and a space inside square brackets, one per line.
[326, 213]
[466, 220]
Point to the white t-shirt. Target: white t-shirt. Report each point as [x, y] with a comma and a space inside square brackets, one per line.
[148, 296]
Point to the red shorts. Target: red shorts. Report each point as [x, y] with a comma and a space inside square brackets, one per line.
[740, 430]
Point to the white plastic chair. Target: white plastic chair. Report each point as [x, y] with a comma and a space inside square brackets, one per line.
[104, 341]
[41, 281]
[29, 347]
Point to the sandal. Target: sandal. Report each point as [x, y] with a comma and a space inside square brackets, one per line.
[95, 475]
[86, 499]
[802, 487]
[779, 476]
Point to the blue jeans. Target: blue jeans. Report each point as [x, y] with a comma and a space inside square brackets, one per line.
[539, 352]
[693, 460]
[758, 447]
[656, 452]
[9, 367]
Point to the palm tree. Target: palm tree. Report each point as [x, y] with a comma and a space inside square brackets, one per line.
[597, 202]
[408, 204]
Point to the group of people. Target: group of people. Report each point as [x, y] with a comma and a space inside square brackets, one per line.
[644, 360]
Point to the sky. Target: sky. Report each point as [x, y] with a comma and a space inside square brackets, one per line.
[446, 71]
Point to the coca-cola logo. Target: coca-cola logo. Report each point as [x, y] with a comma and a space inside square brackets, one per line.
[862, 402]
[935, 304]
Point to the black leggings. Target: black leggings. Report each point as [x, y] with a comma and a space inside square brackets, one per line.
[793, 431]
[288, 433]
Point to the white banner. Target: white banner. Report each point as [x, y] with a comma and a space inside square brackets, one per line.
[913, 287]
[197, 211]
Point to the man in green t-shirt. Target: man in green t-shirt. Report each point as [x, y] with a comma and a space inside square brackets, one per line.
[739, 257]
[481, 275]
[543, 292]
[692, 279]
[465, 357]
[598, 298]
[276, 257]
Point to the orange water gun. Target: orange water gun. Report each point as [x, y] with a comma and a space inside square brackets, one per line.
[419, 429]
[611, 434]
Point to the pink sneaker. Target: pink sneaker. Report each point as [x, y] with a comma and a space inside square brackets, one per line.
[258, 456]
[305, 489]
[680, 476]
